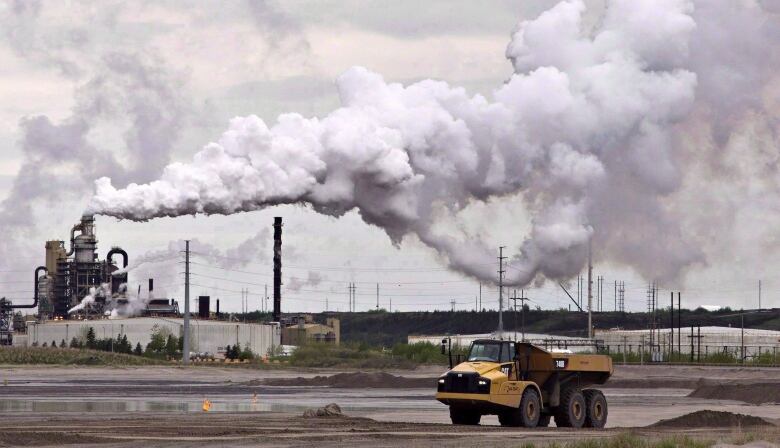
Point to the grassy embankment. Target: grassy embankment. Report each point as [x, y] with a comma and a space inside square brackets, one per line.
[363, 356]
[70, 356]
[315, 355]
[721, 358]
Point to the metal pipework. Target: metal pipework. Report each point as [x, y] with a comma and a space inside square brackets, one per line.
[35, 298]
[114, 251]
[86, 238]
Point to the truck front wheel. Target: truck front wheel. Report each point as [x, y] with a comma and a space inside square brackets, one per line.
[527, 414]
[464, 417]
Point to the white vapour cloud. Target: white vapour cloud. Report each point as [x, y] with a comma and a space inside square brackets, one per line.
[104, 291]
[588, 131]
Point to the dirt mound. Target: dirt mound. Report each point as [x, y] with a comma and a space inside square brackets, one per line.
[330, 410]
[712, 419]
[651, 383]
[754, 393]
[357, 380]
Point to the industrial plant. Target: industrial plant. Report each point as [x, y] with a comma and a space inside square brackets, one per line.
[76, 291]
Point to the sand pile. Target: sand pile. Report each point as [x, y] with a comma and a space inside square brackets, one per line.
[330, 410]
[357, 380]
[651, 383]
[754, 393]
[712, 419]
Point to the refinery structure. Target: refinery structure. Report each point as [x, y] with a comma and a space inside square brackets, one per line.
[75, 291]
[77, 274]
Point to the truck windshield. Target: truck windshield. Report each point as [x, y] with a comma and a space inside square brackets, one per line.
[485, 351]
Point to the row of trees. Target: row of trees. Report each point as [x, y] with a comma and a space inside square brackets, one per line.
[236, 352]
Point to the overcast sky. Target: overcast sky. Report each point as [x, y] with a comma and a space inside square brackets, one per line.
[142, 84]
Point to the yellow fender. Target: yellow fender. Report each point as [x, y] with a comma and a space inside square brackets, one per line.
[511, 392]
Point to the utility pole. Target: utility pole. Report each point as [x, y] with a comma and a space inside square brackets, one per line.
[501, 258]
[590, 288]
[759, 295]
[601, 294]
[671, 328]
[615, 295]
[480, 297]
[522, 300]
[742, 338]
[692, 342]
[186, 345]
[265, 297]
[679, 324]
[377, 296]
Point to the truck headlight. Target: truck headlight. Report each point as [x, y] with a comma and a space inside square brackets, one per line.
[441, 380]
[483, 386]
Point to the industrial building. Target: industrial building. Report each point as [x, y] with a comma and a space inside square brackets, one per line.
[699, 341]
[206, 336]
[302, 329]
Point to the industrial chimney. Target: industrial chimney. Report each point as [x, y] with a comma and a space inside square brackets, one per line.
[277, 269]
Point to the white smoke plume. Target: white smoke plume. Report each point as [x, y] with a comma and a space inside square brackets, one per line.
[132, 305]
[102, 291]
[589, 133]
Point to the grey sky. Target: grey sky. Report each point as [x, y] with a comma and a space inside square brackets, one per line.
[227, 59]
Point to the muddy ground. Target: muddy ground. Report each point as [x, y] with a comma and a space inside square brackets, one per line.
[161, 406]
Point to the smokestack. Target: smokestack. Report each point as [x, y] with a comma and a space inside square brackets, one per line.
[204, 306]
[277, 269]
[217, 308]
[151, 287]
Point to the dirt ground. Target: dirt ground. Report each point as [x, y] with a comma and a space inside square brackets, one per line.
[161, 406]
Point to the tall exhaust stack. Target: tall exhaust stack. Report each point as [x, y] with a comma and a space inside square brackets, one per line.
[277, 269]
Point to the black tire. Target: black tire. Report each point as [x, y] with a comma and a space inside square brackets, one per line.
[572, 410]
[464, 417]
[527, 414]
[596, 409]
[544, 420]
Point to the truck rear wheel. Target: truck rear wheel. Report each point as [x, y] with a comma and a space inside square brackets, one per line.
[572, 409]
[596, 407]
[464, 417]
[527, 414]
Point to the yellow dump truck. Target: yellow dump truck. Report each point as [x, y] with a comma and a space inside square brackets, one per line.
[525, 385]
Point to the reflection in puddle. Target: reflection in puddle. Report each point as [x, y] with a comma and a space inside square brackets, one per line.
[102, 405]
